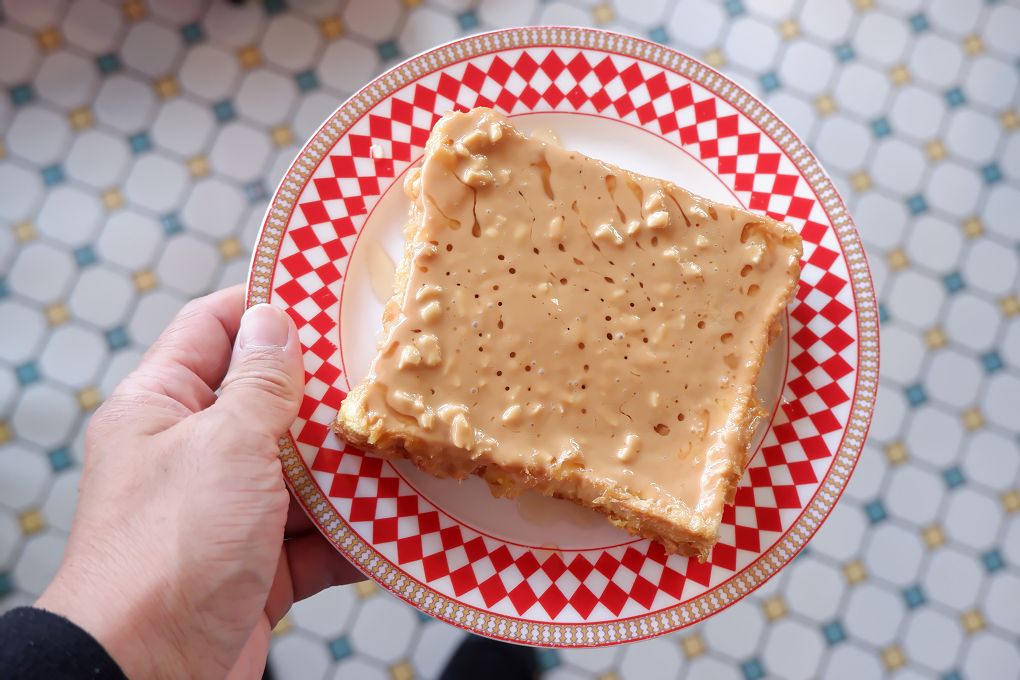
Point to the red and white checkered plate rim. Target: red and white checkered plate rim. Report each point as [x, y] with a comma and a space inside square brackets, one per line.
[570, 597]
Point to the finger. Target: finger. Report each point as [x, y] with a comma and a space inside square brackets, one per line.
[263, 386]
[298, 521]
[316, 565]
[189, 359]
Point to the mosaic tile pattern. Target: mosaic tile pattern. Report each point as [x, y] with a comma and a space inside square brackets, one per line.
[139, 142]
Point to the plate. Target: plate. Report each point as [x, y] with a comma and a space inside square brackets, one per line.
[537, 570]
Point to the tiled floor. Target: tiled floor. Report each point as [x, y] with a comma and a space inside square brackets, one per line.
[141, 139]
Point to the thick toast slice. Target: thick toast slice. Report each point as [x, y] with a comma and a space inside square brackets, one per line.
[564, 325]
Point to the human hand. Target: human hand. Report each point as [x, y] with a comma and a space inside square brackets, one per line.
[186, 547]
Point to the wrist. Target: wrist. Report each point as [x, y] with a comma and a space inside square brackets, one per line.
[134, 628]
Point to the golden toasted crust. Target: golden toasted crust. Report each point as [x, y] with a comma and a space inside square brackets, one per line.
[676, 527]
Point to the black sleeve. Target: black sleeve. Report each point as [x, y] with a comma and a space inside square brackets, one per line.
[38, 645]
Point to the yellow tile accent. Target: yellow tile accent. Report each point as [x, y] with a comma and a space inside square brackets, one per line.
[973, 44]
[935, 149]
[1010, 499]
[57, 314]
[861, 180]
[167, 87]
[134, 10]
[88, 398]
[972, 227]
[282, 626]
[603, 13]
[402, 671]
[250, 57]
[31, 521]
[935, 338]
[825, 105]
[366, 588]
[864, 5]
[973, 621]
[609, 676]
[113, 199]
[896, 453]
[1010, 119]
[145, 280]
[893, 657]
[331, 28]
[933, 536]
[693, 645]
[198, 166]
[897, 258]
[972, 419]
[24, 231]
[775, 608]
[1010, 305]
[789, 29]
[49, 39]
[230, 248]
[899, 75]
[5, 433]
[282, 135]
[854, 572]
[81, 118]
[412, 3]
[714, 58]
[3, 149]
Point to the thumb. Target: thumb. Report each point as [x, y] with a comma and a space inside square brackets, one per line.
[265, 381]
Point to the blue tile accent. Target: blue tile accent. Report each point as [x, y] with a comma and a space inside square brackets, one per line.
[274, 6]
[659, 34]
[919, 23]
[913, 596]
[6, 585]
[991, 361]
[883, 313]
[84, 256]
[917, 205]
[844, 52]
[735, 7]
[752, 669]
[875, 511]
[60, 459]
[21, 94]
[53, 175]
[255, 191]
[467, 20]
[27, 373]
[880, 127]
[916, 395]
[340, 648]
[387, 50]
[171, 224]
[422, 616]
[224, 111]
[3, 289]
[955, 97]
[192, 33]
[955, 675]
[108, 63]
[833, 632]
[953, 477]
[140, 142]
[307, 81]
[117, 337]
[992, 560]
[953, 282]
[769, 81]
[548, 659]
[991, 173]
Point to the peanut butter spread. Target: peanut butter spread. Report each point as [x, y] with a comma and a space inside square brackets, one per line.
[556, 311]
